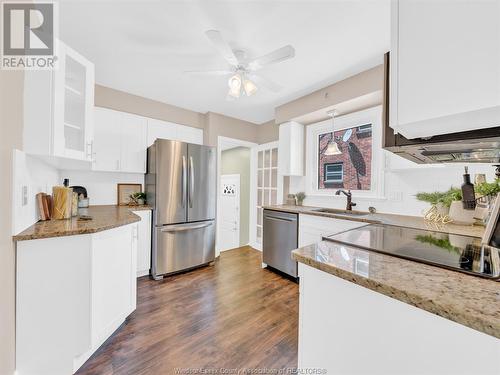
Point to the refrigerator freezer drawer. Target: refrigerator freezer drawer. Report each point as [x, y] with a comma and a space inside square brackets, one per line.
[183, 246]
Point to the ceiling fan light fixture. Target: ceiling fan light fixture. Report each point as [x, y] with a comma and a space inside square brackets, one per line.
[250, 87]
[234, 84]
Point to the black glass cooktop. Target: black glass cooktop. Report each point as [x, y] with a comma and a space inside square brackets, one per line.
[456, 252]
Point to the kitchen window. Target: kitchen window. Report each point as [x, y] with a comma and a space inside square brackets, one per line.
[358, 166]
[333, 173]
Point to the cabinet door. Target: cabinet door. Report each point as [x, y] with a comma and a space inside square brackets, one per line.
[445, 66]
[73, 103]
[161, 130]
[107, 140]
[133, 268]
[313, 228]
[133, 130]
[111, 280]
[291, 146]
[189, 134]
[144, 243]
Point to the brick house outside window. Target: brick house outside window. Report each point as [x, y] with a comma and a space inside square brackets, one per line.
[352, 168]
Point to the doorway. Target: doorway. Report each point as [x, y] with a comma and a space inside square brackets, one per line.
[230, 211]
[233, 193]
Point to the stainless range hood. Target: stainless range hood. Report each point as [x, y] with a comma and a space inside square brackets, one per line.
[477, 146]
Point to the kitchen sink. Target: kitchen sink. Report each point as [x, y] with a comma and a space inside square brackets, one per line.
[334, 211]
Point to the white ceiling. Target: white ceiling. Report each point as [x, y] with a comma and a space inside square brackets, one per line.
[143, 47]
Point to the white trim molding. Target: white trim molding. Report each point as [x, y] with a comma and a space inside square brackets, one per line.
[368, 116]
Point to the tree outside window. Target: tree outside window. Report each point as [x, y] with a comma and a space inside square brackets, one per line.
[352, 168]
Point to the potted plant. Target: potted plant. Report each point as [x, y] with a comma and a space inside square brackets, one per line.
[299, 198]
[138, 198]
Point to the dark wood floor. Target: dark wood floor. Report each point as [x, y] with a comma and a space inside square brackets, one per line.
[231, 315]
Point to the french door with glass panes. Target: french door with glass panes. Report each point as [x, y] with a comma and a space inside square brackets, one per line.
[267, 186]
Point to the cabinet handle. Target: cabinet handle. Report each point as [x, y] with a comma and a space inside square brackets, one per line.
[89, 150]
[118, 165]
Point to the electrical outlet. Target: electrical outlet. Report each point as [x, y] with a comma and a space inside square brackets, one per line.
[24, 195]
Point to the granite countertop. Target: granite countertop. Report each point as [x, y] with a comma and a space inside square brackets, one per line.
[103, 218]
[391, 219]
[469, 300]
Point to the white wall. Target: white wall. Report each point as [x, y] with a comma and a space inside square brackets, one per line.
[400, 188]
[11, 130]
[101, 186]
[38, 177]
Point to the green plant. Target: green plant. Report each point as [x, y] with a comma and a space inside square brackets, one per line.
[432, 198]
[488, 188]
[445, 198]
[137, 196]
[300, 197]
[453, 194]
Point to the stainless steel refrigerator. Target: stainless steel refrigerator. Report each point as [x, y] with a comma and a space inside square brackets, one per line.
[181, 186]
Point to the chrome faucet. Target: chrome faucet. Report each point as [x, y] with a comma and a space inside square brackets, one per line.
[348, 194]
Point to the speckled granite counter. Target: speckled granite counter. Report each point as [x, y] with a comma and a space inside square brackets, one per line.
[392, 219]
[103, 218]
[468, 300]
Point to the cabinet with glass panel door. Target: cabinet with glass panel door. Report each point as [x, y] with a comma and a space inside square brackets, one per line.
[59, 108]
[267, 183]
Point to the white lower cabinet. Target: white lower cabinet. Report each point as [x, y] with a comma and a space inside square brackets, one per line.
[143, 243]
[345, 328]
[313, 228]
[72, 293]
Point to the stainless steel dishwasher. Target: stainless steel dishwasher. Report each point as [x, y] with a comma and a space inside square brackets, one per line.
[279, 239]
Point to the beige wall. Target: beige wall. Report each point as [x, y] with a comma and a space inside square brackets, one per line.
[213, 124]
[11, 125]
[237, 161]
[220, 125]
[122, 101]
[267, 132]
[360, 85]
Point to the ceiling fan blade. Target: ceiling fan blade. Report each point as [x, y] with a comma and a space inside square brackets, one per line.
[222, 46]
[281, 54]
[209, 72]
[264, 82]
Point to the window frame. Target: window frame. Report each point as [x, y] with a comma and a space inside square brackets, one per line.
[371, 116]
[326, 165]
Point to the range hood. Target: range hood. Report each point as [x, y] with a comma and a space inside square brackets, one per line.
[477, 146]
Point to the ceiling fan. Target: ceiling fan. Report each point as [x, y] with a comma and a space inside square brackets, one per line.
[243, 79]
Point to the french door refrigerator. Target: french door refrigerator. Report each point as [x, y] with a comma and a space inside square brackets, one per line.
[181, 186]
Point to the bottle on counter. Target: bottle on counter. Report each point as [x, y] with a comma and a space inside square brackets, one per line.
[468, 195]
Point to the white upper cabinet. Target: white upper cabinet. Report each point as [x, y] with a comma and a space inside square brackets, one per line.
[158, 129]
[133, 142]
[445, 66]
[120, 142]
[58, 108]
[107, 143]
[291, 146]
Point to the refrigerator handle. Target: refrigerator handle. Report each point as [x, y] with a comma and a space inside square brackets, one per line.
[184, 181]
[191, 181]
[184, 227]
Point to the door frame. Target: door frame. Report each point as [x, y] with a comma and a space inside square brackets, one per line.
[226, 143]
[238, 221]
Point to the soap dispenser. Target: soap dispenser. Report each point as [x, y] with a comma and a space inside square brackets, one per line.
[468, 195]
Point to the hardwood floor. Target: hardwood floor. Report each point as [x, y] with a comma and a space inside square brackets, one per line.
[232, 315]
